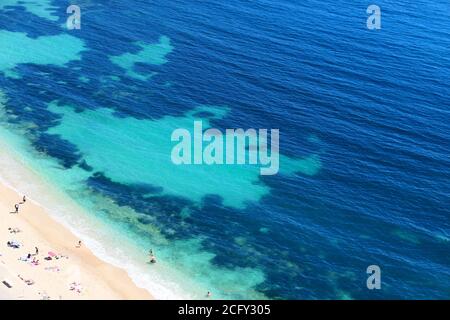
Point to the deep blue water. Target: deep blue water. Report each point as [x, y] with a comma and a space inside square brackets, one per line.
[373, 105]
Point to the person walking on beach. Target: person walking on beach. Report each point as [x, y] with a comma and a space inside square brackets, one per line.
[16, 207]
[24, 199]
[37, 251]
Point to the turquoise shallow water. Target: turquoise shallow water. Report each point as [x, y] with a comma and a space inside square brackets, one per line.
[136, 152]
[148, 53]
[19, 48]
[363, 149]
[117, 233]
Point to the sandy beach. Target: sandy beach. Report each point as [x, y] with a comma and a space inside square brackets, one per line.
[60, 269]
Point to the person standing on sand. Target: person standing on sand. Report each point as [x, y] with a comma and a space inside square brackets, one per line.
[37, 251]
[16, 206]
[152, 257]
[24, 199]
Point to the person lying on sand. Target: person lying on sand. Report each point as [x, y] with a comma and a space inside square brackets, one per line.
[26, 258]
[27, 281]
[35, 262]
[13, 244]
[52, 255]
[14, 230]
[74, 286]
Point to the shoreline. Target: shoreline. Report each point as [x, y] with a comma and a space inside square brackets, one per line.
[80, 276]
[104, 227]
[27, 172]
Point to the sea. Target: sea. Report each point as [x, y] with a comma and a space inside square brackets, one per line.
[87, 114]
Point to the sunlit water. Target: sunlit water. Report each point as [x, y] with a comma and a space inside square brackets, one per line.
[364, 141]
